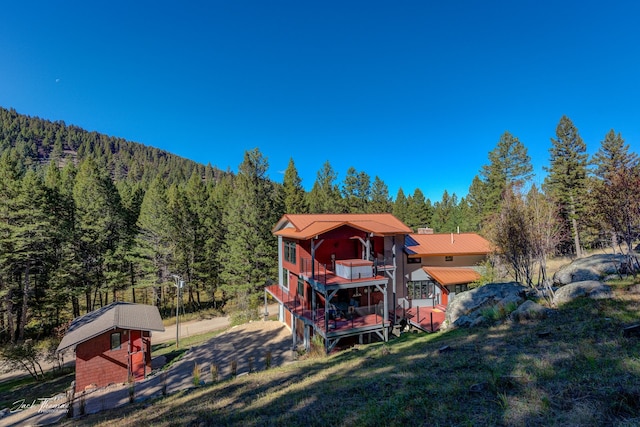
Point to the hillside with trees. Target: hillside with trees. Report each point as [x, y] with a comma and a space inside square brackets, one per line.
[87, 219]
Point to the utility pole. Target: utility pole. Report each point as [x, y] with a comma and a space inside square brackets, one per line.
[179, 284]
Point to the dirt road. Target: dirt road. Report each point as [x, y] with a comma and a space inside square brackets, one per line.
[187, 329]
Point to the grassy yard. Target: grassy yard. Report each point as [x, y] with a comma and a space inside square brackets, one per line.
[573, 368]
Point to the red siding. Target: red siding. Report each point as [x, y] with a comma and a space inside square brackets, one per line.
[97, 364]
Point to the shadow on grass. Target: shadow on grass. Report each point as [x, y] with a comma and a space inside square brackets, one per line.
[572, 368]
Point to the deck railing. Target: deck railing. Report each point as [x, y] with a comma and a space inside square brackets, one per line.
[321, 272]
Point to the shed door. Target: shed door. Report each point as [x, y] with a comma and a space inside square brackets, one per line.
[136, 354]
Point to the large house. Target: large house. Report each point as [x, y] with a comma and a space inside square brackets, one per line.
[353, 276]
[339, 275]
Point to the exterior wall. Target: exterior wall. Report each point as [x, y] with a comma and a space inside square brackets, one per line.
[97, 364]
[458, 261]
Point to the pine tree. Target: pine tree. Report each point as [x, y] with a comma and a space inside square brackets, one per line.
[294, 195]
[419, 211]
[400, 206]
[380, 200]
[99, 222]
[445, 215]
[249, 252]
[153, 242]
[324, 197]
[567, 173]
[356, 191]
[509, 164]
[613, 156]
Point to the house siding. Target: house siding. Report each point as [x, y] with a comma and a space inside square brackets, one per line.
[98, 365]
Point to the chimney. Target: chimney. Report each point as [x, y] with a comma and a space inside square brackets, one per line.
[452, 238]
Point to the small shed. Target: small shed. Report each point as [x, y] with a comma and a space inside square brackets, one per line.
[112, 344]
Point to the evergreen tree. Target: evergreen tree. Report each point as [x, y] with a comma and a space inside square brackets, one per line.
[445, 215]
[380, 200]
[249, 252]
[509, 164]
[400, 206]
[475, 201]
[153, 242]
[419, 211]
[356, 191]
[567, 173]
[324, 197]
[294, 195]
[613, 156]
[99, 222]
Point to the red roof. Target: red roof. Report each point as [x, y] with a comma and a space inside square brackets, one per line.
[447, 244]
[452, 275]
[306, 226]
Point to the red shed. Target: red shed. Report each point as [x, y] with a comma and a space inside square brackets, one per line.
[112, 343]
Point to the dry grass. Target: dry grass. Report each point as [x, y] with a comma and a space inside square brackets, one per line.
[582, 371]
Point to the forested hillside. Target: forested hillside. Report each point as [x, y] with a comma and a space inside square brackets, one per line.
[86, 219]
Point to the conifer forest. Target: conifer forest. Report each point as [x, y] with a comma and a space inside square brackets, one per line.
[87, 219]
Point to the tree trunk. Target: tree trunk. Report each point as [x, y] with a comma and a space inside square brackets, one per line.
[10, 325]
[25, 302]
[574, 226]
[76, 306]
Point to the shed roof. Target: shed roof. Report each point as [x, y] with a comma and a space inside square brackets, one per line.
[418, 245]
[118, 314]
[452, 275]
[307, 226]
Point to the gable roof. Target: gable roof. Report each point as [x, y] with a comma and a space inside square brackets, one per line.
[307, 226]
[452, 275]
[118, 314]
[418, 245]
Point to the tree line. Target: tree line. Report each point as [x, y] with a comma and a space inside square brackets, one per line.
[87, 219]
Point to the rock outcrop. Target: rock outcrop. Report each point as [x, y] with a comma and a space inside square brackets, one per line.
[594, 267]
[589, 288]
[466, 308]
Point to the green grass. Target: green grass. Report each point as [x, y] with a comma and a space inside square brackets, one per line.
[28, 389]
[582, 371]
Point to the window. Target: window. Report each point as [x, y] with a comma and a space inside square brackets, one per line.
[461, 288]
[448, 258]
[421, 289]
[414, 260]
[290, 252]
[285, 278]
[115, 341]
[300, 287]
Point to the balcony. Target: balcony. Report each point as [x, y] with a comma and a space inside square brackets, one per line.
[334, 322]
[346, 273]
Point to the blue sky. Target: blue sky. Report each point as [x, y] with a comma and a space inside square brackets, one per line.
[415, 92]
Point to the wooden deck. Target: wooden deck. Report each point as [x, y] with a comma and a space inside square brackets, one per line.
[340, 324]
[428, 319]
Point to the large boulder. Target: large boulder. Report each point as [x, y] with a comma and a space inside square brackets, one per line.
[466, 308]
[589, 288]
[594, 267]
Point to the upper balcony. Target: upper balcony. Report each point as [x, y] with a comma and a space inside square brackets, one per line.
[345, 273]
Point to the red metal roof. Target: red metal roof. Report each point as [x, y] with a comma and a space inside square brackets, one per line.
[307, 226]
[447, 244]
[452, 275]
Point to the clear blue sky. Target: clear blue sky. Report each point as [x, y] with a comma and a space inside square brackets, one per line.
[416, 92]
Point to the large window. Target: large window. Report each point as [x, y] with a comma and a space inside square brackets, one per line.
[421, 289]
[290, 251]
